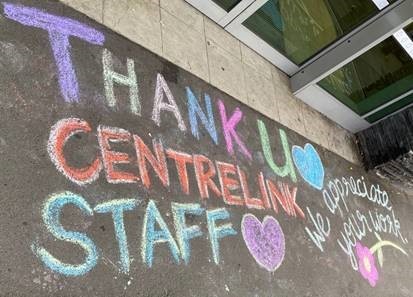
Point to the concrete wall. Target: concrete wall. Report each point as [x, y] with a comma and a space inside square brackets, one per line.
[176, 31]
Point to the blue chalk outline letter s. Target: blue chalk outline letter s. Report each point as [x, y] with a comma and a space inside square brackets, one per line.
[51, 217]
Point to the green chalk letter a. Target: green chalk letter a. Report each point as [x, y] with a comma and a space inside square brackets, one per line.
[288, 168]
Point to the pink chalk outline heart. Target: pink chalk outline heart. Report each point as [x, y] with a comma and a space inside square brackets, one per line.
[265, 241]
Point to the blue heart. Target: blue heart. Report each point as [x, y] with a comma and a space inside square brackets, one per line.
[309, 165]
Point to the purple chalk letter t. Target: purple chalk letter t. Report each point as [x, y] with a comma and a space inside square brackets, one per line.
[59, 29]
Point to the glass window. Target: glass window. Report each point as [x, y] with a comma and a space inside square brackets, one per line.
[390, 109]
[380, 75]
[227, 4]
[299, 29]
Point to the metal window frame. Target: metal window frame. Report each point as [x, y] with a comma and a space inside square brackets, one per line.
[236, 11]
[217, 13]
[232, 22]
[304, 83]
[393, 113]
[327, 104]
[304, 78]
[209, 8]
[352, 46]
[391, 102]
[250, 39]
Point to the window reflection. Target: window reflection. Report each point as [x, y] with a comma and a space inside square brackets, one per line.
[227, 4]
[301, 28]
[380, 75]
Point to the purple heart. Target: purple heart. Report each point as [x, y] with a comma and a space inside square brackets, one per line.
[265, 241]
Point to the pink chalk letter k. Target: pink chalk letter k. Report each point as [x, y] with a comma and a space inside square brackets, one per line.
[228, 127]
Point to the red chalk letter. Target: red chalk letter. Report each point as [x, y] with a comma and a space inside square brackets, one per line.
[292, 197]
[158, 163]
[228, 183]
[59, 135]
[251, 202]
[110, 158]
[275, 195]
[181, 159]
[285, 197]
[204, 178]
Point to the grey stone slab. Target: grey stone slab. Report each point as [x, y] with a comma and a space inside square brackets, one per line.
[184, 46]
[139, 21]
[92, 8]
[226, 72]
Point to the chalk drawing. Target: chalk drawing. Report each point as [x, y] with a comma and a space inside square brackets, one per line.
[225, 170]
[204, 176]
[60, 133]
[288, 168]
[378, 247]
[151, 236]
[322, 229]
[117, 208]
[184, 233]
[51, 217]
[229, 129]
[367, 264]
[232, 179]
[162, 89]
[333, 196]
[181, 160]
[252, 202]
[158, 163]
[110, 77]
[106, 135]
[195, 111]
[337, 191]
[218, 232]
[340, 188]
[354, 228]
[265, 241]
[286, 197]
[357, 226]
[59, 29]
[387, 223]
[309, 165]
[263, 191]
